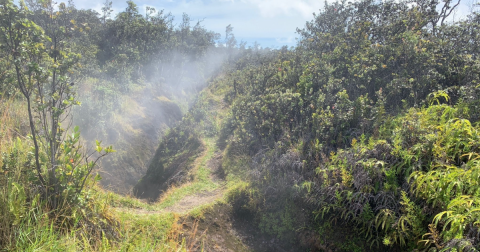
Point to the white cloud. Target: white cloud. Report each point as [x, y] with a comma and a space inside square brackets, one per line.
[286, 41]
[272, 8]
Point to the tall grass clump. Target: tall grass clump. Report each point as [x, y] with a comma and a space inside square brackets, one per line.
[26, 222]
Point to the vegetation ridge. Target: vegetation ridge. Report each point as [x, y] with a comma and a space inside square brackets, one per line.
[362, 137]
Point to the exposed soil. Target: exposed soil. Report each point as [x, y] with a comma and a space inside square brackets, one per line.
[170, 170]
[220, 230]
[192, 201]
[183, 206]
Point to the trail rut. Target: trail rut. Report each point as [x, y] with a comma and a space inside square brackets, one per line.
[192, 201]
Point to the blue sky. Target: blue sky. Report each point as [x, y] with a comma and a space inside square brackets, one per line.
[272, 23]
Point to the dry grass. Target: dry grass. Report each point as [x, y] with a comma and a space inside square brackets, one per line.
[14, 120]
[163, 99]
[132, 108]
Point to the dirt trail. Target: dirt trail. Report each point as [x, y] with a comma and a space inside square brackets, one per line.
[183, 206]
[190, 202]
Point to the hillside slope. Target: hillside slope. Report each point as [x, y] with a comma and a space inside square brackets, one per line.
[364, 136]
